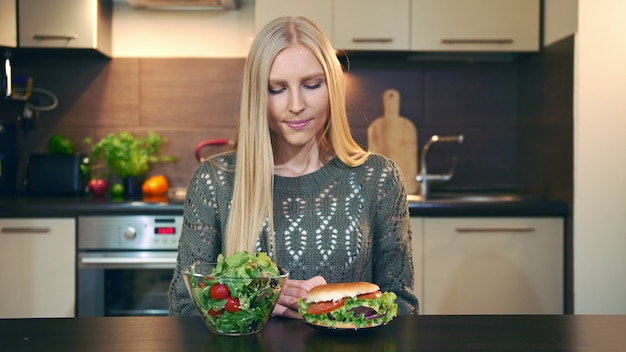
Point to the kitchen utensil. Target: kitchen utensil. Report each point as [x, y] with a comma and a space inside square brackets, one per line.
[209, 142]
[395, 137]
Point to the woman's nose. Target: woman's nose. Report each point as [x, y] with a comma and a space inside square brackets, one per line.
[296, 102]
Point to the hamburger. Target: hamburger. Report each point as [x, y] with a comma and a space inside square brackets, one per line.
[348, 305]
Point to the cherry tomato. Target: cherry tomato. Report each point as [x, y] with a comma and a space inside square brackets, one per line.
[216, 312]
[370, 295]
[232, 304]
[219, 291]
[325, 307]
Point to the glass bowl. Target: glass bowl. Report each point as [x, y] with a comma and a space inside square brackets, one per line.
[232, 305]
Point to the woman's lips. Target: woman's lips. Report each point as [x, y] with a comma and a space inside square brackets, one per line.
[298, 125]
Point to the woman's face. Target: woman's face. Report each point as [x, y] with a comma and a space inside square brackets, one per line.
[298, 102]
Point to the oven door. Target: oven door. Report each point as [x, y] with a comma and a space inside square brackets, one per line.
[124, 283]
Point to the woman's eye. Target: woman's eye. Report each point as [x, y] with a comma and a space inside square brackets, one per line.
[313, 86]
[274, 91]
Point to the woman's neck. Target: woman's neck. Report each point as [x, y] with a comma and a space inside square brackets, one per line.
[302, 162]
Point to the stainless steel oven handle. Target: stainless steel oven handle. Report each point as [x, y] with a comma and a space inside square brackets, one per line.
[123, 260]
[132, 260]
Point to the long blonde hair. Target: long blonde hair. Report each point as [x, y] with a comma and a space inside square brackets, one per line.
[254, 171]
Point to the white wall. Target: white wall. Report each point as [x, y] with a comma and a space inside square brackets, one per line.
[158, 33]
[600, 158]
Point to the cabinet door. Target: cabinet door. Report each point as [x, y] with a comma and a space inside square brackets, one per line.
[8, 24]
[371, 25]
[417, 242]
[493, 266]
[319, 11]
[58, 23]
[37, 268]
[475, 25]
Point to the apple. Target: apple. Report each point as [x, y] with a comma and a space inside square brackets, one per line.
[98, 187]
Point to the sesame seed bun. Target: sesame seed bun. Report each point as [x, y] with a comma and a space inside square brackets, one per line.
[335, 292]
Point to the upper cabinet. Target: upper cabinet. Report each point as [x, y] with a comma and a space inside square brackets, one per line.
[418, 25]
[560, 20]
[8, 23]
[371, 25]
[475, 25]
[319, 11]
[76, 24]
[349, 24]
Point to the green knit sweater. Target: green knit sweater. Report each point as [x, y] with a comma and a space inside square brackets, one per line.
[343, 223]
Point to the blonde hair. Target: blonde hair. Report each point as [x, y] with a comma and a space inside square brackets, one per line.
[254, 171]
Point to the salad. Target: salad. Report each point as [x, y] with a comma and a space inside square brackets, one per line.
[238, 293]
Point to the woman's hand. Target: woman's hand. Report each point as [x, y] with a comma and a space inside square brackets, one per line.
[287, 304]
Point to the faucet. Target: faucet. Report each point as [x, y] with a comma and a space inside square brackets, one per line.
[423, 176]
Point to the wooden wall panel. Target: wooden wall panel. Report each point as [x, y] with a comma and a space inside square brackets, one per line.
[194, 92]
[111, 100]
[189, 100]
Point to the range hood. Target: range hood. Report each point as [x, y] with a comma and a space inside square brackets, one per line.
[185, 4]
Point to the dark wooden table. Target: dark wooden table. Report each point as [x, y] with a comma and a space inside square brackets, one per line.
[406, 333]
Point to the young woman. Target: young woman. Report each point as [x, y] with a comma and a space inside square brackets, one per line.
[295, 184]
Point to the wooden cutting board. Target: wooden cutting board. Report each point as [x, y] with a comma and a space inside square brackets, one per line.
[395, 137]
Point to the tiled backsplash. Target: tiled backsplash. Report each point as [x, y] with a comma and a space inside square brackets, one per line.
[191, 100]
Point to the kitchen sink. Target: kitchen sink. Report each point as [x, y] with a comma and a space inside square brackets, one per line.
[454, 197]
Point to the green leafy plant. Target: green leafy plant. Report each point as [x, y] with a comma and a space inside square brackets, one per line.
[127, 155]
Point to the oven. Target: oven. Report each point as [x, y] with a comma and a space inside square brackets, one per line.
[125, 264]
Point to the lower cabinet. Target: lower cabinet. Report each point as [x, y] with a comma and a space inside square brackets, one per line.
[37, 268]
[489, 265]
[417, 241]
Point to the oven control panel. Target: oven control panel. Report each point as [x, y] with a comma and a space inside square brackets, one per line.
[153, 232]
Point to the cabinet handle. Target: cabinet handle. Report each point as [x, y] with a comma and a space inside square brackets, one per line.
[372, 40]
[25, 229]
[496, 229]
[477, 41]
[54, 37]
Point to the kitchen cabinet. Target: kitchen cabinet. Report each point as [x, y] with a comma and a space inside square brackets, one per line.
[349, 24]
[491, 265]
[319, 11]
[417, 242]
[371, 25]
[8, 23]
[475, 25]
[417, 25]
[37, 267]
[560, 20]
[68, 24]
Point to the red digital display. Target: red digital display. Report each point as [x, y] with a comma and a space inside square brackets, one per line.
[169, 230]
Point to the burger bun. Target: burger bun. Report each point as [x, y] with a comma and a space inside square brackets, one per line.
[341, 325]
[337, 291]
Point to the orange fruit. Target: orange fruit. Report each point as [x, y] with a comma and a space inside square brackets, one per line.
[156, 185]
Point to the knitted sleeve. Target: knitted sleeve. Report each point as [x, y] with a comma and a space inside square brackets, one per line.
[392, 252]
[201, 235]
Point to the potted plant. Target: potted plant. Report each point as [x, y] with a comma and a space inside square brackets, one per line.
[127, 156]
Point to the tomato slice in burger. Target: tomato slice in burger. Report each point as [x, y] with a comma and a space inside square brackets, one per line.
[325, 307]
[371, 295]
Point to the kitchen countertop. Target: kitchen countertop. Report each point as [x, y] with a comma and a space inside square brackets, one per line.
[405, 333]
[85, 205]
[23, 206]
